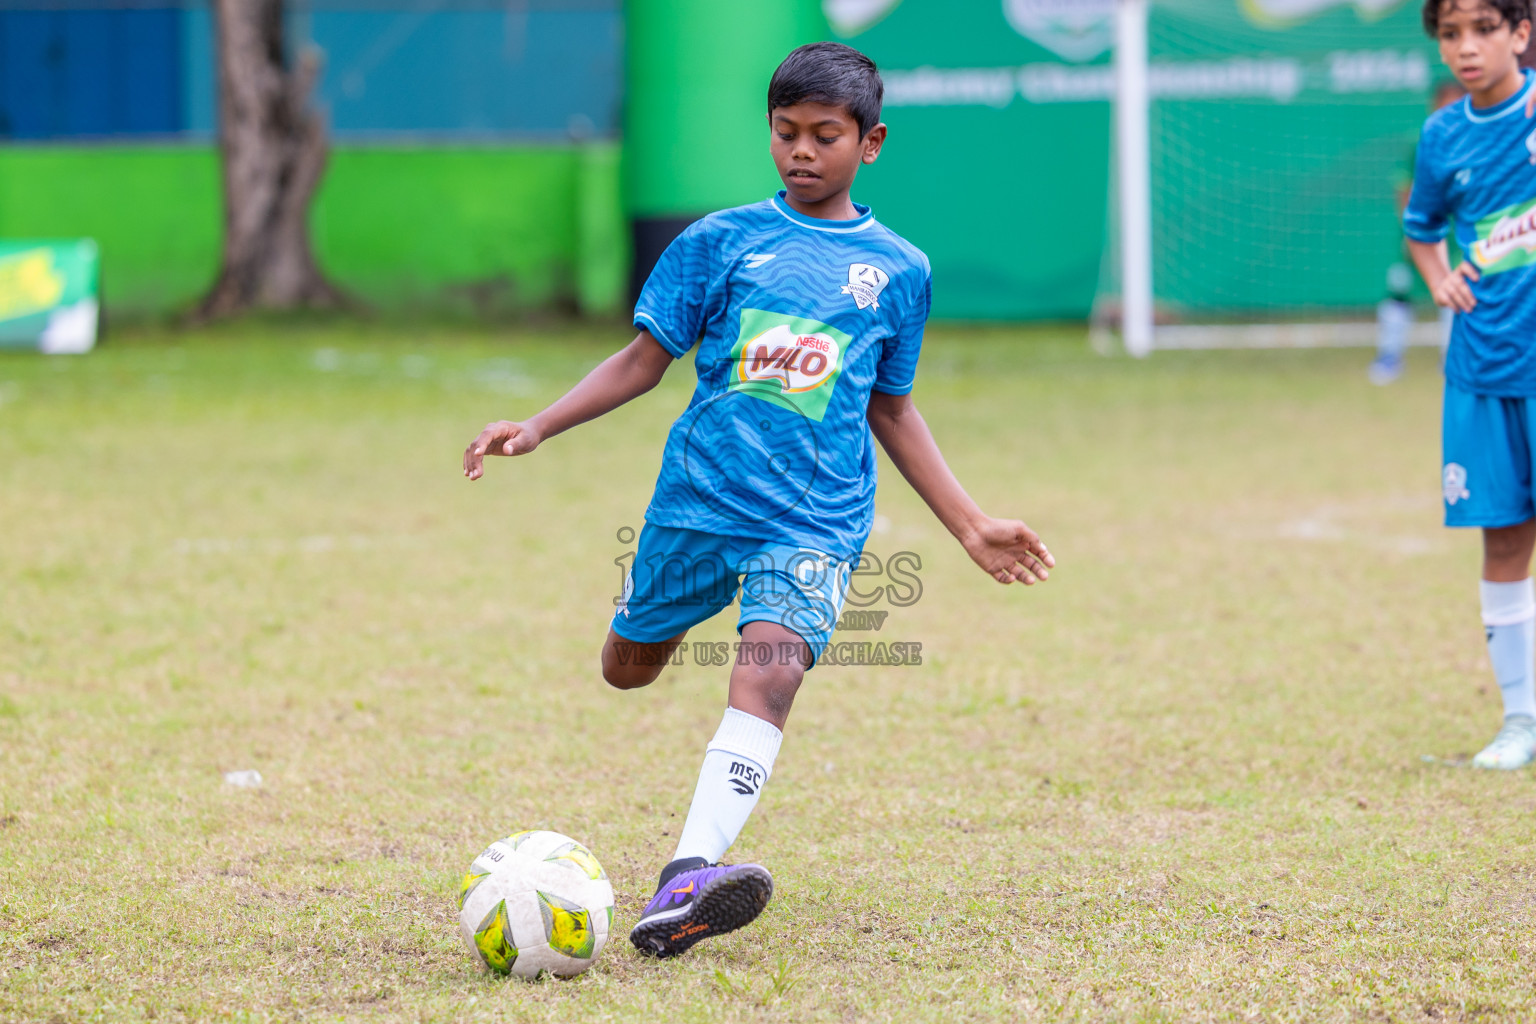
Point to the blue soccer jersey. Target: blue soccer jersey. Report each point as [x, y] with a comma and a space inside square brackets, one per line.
[796, 319]
[1477, 167]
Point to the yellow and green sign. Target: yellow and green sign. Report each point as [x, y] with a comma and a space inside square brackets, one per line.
[48, 295]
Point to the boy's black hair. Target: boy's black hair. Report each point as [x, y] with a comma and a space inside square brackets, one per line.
[829, 73]
[1514, 12]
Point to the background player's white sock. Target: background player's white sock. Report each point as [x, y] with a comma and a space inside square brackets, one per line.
[1394, 319]
[1509, 614]
[737, 764]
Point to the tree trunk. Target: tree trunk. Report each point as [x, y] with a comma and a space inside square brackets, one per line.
[273, 150]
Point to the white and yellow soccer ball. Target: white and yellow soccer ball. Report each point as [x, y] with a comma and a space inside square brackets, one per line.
[533, 902]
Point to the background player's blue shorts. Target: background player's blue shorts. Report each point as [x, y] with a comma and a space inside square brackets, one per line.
[1487, 472]
[681, 577]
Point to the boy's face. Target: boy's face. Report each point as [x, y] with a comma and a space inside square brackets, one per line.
[817, 149]
[1479, 46]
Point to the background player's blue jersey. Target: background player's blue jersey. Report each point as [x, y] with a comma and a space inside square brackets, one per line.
[797, 320]
[1478, 167]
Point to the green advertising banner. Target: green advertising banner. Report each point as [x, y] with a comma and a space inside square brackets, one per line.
[48, 295]
[1281, 130]
[1004, 191]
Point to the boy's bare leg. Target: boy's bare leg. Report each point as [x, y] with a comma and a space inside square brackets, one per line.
[1509, 619]
[1507, 552]
[767, 691]
[629, 665]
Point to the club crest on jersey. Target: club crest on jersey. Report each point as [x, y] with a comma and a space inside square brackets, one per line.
[865, 283]
[1454, 483]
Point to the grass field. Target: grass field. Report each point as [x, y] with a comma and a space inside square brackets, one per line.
[1181, 781]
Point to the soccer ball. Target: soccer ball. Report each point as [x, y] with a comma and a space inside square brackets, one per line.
[533, 902]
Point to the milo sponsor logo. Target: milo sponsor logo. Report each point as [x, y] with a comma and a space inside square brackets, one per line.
[788, 360]
[1507, 239]
[798, 362]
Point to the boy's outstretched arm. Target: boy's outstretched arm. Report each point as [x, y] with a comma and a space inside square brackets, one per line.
[628, 373]
[1006, 548]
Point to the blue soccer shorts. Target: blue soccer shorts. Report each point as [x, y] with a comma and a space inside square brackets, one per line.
[1487, 472]
[679, 578]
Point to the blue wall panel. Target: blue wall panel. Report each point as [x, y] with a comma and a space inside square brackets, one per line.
[545, 72]
[549, 69]
[90, 73]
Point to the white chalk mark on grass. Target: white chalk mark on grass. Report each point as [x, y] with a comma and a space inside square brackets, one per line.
[1365, 524]
[1312, 528]
[327, 360]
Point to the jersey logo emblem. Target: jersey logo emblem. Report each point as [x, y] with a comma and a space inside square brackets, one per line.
[1464, 177]
[796, 362]
[754, 260]
[788, 361]
[1455, 483]
[1506, 239]
[865, 283]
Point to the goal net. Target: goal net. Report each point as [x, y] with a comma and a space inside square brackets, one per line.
[1275, 138]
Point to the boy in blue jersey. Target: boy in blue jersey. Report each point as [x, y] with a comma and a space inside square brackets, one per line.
[808, 316]
[1476, 167]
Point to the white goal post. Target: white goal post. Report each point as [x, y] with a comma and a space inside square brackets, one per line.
[1133, 154]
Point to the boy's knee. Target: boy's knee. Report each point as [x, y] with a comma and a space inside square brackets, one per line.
[776, 688]
[626, 677]
[780, 697]
[1507, 544]
[636, 669]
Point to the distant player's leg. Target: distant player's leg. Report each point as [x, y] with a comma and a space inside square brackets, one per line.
[1487, 483]
[1509, 618]
[1394, 318]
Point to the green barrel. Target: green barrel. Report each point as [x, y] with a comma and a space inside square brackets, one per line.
[696, 88]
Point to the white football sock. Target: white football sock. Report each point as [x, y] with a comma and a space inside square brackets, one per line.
[1393, 321]
[1509, 615]
[737, 764]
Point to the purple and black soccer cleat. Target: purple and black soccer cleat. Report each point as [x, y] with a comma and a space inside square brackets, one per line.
[696, 900]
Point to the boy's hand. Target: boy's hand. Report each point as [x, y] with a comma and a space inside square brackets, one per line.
[500, 438]
[1009, 551]
[1453, 290]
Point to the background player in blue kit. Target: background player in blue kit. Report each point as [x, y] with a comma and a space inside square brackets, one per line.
[1394, 314]
[1476, 166]
[808, 316]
